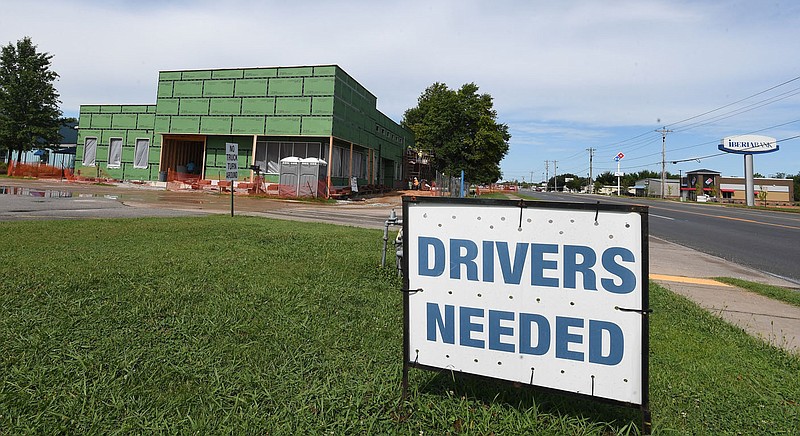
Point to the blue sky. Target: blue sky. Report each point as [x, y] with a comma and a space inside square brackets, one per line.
[565, 75]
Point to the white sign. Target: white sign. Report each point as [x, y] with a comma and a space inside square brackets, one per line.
[749, 144]
[231, 161]
[529, 294]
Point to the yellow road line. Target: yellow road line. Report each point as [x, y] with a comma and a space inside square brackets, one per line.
[691, 280]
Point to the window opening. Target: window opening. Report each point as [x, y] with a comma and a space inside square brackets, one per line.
[115, 153]
[141, 153]
[89, 151]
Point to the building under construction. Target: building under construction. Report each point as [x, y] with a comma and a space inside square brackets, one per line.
[272, 113]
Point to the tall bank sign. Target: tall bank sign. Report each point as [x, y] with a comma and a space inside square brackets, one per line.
[749, 144]
[552, 295]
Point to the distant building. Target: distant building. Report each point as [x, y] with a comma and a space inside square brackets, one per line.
[732, 189]
[651, 187]
[774, 190]
[702, 180]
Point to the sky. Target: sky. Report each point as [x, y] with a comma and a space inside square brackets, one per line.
[565, 76]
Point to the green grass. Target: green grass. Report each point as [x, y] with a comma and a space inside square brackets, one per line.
[221, 325]
[794, 209]
[775, 292]
[508, 195]
[494, 196]
[527, 196]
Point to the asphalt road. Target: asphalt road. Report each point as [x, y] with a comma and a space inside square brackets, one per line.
[18, 203]
[764, 240]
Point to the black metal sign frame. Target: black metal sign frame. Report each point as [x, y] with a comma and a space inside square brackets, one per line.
[409, 360]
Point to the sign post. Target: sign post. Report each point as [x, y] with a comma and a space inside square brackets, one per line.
[748, 145]
[232, 166]
[619, 174]
[546, 294]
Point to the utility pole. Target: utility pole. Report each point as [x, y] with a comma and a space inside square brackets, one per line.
[590, 188]
[663, 131]
[555, 176]
[547, 177]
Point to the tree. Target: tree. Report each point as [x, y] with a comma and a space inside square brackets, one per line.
[698, 187]
[762, 195]
[606, 178]
[460, 127]
[796, 179]
[568, 180]
[29, 112]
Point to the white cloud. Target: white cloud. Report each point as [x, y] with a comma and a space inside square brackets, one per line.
[565, 75]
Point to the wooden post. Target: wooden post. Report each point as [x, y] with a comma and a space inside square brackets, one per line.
[330, 165]
[350, 171]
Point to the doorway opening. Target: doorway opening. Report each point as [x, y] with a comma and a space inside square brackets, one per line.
[183, 154]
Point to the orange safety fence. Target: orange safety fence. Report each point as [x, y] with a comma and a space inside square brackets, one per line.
[38, 171]
[495, 187]
[178, 181]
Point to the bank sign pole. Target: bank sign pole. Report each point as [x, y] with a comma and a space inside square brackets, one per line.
[547, 294]
[231, 166]
[748, 145]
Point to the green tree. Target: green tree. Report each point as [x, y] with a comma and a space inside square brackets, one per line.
[29, 112]
[796, 179]
[698, 187]
[574, 183]
[762, 195]
[606, 178]
[460, 127]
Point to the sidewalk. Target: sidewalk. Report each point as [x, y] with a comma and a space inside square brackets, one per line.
[685, 272]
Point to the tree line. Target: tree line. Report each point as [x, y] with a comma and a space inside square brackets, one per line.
[573, 182]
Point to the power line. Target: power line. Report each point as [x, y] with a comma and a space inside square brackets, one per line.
[725, 152]
[735, 102]
[748, 108]
[754, 106]
[644, 140]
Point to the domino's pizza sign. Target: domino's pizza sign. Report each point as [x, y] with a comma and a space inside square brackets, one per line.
[553, 295]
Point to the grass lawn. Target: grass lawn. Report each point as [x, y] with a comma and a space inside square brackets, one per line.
[505, 195]
[254, 326]
[775, 292]
[494, 196]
